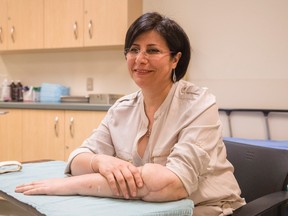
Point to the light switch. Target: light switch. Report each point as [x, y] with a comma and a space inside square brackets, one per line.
[89, 84]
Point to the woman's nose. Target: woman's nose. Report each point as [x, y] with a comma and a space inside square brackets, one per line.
[141, 57]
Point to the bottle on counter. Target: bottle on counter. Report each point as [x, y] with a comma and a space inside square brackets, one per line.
[14, 91]
[6, 91]
[19, 87]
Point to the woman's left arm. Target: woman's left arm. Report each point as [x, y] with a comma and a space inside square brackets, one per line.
[160, 184]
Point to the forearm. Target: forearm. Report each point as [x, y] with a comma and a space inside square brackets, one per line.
[97, 185]
[93, 184]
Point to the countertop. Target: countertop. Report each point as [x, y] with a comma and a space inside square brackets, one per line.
[54, 106]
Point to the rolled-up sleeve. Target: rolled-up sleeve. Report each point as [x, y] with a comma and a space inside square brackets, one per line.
[195, 153]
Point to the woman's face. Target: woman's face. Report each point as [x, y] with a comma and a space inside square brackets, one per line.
[149, 61]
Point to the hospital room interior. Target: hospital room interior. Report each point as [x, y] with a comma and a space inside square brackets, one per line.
[239, 52]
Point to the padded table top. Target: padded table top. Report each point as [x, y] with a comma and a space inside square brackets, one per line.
[79, 205]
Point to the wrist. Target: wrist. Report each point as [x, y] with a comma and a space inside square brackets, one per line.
[92, 164]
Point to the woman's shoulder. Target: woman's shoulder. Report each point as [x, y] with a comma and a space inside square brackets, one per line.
[188, 90]
[192, 99]
[128, 100]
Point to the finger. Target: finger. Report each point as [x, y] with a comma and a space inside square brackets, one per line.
[134, 180]
[29, 189]
[32, 188]
[20, 189]
[35, 191]
[129, 181]
[23, 187]
[121, 180]
[113, 185]
[137, 175]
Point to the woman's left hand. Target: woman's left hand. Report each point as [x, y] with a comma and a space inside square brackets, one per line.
[48, 187]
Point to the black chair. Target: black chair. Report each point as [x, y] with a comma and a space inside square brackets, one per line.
[262, 174]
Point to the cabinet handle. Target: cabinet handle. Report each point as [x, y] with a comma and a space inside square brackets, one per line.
[12, 33]
[90, 29]
[75, 29]
[71, 127]
[1, 30]
[56, 122]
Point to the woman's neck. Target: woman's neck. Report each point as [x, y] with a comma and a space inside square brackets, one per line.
[154, 98]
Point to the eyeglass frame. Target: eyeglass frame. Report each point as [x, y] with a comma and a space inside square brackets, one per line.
[145, 53]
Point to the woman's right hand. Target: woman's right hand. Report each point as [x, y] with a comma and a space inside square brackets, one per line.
[123, 177]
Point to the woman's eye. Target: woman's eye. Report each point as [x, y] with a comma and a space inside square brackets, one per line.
[152, 51]
[134, 50]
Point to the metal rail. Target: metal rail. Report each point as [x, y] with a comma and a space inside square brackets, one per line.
[265, 112]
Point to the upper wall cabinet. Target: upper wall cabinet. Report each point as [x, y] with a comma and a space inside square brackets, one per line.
[106, 21]
[45, 24]
[88, 23]
[3, 24]
[21, 24]
[63, 23]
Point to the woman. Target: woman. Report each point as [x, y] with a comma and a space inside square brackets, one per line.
[161, 143]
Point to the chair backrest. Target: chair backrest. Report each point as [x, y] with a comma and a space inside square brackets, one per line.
[258, 170]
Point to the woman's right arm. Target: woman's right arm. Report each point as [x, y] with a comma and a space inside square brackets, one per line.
[122, 176]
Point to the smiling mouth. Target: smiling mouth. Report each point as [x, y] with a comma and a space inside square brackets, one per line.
[141, 71]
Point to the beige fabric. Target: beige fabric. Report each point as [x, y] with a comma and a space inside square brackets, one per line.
[186, 137]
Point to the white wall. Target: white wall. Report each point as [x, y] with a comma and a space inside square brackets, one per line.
[240, 51]
[107, 68]
[240, 48]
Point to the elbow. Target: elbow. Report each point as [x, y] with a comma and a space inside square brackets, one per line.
[163, 186]
[168, 193]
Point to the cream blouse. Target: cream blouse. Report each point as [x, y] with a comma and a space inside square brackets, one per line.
[186, 137]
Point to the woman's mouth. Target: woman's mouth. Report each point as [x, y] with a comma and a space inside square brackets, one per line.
[141, 71]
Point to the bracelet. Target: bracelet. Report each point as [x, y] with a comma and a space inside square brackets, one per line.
[91, 163]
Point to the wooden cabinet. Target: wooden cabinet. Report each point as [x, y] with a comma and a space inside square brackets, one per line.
[54, 134]
[106, 21]
[78, 126]
[27, 135]
[43, 134]
[38, 24]
[88, 23]
[21, 24]
[63, 23]
[11, 135]
[3, 24]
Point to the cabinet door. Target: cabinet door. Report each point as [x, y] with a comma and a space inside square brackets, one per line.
[3, 24]
[25, 24]
[11, 135]
[78, 126]
[106, 21]
[43, 135]
[63, 23]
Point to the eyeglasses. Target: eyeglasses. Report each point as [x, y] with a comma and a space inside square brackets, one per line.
[151, 53]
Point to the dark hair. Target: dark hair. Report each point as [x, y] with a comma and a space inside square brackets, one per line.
[175, 37]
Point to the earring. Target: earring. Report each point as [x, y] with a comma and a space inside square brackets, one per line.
[174, 78]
